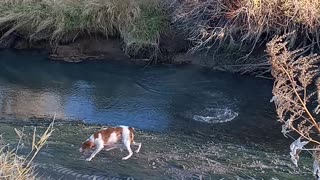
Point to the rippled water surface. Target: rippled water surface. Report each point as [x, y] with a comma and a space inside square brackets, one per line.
[185, 100]
[157, 98]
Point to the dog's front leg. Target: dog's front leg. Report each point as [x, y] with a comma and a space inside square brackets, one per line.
[96, 151]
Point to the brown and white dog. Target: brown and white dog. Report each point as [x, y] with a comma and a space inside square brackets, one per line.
[111, 138]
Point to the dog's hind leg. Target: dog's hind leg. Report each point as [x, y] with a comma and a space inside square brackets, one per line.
[127, 145]
[137, 144]
[126, 141]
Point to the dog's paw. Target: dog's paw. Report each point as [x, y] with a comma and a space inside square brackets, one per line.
[88, 159]
[125, 158]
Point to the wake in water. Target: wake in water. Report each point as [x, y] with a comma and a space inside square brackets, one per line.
[216, 115]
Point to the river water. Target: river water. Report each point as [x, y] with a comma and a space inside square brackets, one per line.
[176, 110]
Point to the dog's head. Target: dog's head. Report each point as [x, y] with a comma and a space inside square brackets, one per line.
[86, 146]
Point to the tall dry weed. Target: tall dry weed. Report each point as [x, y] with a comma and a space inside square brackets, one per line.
[17, 167]
[293, 95]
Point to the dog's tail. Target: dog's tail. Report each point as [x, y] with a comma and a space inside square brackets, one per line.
[131, 129]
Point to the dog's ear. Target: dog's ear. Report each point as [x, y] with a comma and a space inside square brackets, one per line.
[88, 145]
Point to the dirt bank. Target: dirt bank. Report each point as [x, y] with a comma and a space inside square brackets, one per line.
[173, 49]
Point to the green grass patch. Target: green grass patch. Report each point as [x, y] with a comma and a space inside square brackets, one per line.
[147, 27]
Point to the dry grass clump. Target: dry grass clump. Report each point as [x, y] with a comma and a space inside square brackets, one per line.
[247, 22]
[12, 165]
[293, 96]
[138, 22]
[46, 19]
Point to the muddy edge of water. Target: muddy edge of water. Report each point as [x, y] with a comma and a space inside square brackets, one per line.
[163, 156]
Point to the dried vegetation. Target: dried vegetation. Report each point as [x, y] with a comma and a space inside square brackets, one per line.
[245, 26]
[14, 166]
[296, 87]
[137, 22]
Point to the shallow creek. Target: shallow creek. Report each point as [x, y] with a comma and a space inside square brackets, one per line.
[193, 123]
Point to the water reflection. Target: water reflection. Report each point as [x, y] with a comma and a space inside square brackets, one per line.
[23, 103]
